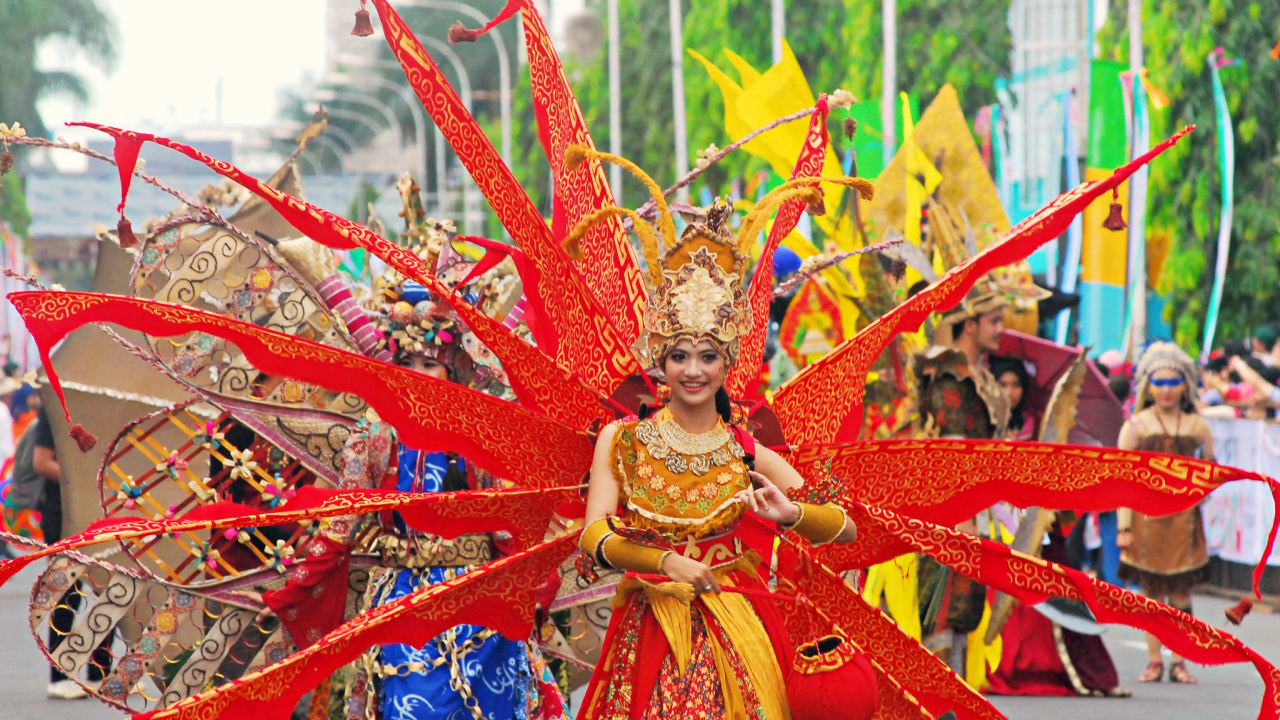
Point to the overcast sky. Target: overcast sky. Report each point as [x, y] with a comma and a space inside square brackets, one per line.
[172, 56]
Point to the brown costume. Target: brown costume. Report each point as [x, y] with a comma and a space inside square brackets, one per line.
[1167, 554]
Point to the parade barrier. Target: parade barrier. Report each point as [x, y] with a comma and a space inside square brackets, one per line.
[1237, 516]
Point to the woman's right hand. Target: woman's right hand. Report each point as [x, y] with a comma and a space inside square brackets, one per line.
[686, 570]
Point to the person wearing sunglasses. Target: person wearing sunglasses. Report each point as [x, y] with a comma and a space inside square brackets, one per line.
[1165, 555]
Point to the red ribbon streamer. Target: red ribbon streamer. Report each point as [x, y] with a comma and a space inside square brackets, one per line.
[823, 403]
[760, 293]
[429, 414]
[501, 596]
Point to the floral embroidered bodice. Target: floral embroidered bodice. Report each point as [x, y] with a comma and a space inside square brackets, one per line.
[677, 483]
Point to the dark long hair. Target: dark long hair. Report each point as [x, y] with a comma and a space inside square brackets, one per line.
[1002, 365]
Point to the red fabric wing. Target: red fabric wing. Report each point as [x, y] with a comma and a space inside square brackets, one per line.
[500, 595]
[1031, 580]
[537, 381]
[946, 481]
[823, 403]
[429, 414]
[809, 164]
[574, 330]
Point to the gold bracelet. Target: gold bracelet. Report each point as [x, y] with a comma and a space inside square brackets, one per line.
[799, 517]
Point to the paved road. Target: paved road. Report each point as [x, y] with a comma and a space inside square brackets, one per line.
[1224, 692]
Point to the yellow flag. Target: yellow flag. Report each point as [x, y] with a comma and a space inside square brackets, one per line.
[757, 99]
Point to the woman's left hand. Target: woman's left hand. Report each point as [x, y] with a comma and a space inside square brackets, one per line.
[767, 501]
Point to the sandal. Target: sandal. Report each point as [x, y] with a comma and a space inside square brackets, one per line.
[1154, 672]
[1178, 673]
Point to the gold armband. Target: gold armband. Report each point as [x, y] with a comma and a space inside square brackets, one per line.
[609, 550]
[819, 524]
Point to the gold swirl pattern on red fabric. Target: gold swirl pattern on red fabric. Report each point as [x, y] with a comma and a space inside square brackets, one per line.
[760, 293]
[429, 414]
[580, 335]
[823, 403]
[946, 481]
[526, 514]
[611, 269]
[500, 596]
[1032, 580]
[536, 380]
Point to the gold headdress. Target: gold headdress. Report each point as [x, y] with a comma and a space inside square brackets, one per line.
[697, 282]
[701, 295]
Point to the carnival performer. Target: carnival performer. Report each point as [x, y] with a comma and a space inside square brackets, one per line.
[959, 398]
[1013, 377]
[672, 500]
[1166, 555]
[468, 671]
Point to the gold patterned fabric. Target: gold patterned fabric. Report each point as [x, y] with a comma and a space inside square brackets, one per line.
[672, 652]
[680, 485]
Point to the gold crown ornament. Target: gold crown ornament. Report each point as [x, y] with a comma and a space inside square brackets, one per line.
[697, 281]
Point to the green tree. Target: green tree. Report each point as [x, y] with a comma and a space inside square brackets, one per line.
[24, 26]
[837, 44]
[1184, 188]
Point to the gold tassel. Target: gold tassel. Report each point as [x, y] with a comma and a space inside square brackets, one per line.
[754, 222]
[770, 202]
[648, 242]
[575, 155]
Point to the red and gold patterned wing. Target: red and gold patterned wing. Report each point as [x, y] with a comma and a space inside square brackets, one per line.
[576, 332]
[526, 514]
[501, 595]
[504, 438]
[1032, 580]
[809, 164]
[823, 403]
[610, 266]
[537, 380]
[946, 481]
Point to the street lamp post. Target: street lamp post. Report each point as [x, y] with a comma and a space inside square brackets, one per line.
[347, 94]
[504, 64]
[403, 92]
[677, 92]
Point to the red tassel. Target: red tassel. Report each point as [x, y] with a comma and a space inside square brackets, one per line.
[6, 162]
[850, 127]
[461, 33]
[85, 440]
[124, 230]
[364, 27]
[1236, 612]
[1115, 218]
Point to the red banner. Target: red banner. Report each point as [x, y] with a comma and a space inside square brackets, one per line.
[577, 333]
[760, 293]
[429, 414]
[823, 403]
[536, 380]
[501, 596]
